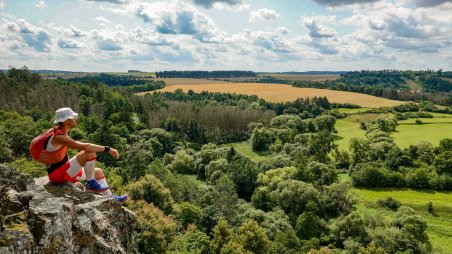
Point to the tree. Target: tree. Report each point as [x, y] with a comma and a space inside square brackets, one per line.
[419, 178]
[368, 175]
[227, 197]
[286, 243]
[222, 234]
[172, 124]
[321, 144]
[189, 214]
[261, 139]
[138, 156]
[234, 247]
[243, 172]
[325, 122]
[359, 149]
[350, 227]
[337, 200]
[192, 241]
[273, 222]
[317, 173]
[308, 226]
[195, 133]
[342, 159]
[151, 190]
[413, 228]
[221, 166]
[231, 154]
[443, 163]
[165, 138]
[445, 145]
[18, 132]
[293, 196]
[183, 163]
[382, 124]
[253, 238]
[154, 229]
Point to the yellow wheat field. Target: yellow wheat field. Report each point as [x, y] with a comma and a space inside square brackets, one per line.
[276, 92]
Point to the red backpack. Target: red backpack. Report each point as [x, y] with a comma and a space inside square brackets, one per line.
[38, 148]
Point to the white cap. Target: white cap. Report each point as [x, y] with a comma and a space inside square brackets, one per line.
[63, 114]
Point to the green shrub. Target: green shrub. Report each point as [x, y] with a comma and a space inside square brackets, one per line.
[151, 190]
[389, 203]
[33, 168]
[189, 214]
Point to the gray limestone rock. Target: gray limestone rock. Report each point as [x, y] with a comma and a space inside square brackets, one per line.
[39, 217]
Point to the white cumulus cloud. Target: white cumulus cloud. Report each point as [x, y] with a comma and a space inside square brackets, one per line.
[111, 1]
[41, 4]
[264, 15]
[72, 31]
[69, 44]
[333, 3]
[430, 3]
[34, 37]
[423, 30]
[212, 3]
[178, 18]
[316, 30]
[102, 20]
[282, 30]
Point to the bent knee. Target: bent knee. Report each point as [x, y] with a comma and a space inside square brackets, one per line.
[90, 155]
[98, 173]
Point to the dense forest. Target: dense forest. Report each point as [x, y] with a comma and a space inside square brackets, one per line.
[192, 194]
[392, 84]
[128, 82]
[204, 74]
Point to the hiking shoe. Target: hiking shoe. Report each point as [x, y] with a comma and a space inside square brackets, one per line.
[94, 186]
[121, 199]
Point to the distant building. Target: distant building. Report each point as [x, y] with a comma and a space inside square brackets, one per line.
[133, 71]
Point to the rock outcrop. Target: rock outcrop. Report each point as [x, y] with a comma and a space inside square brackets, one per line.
[39, 217]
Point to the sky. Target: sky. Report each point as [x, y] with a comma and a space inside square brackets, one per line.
[259, 35]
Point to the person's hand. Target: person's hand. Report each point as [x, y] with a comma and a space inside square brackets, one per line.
[113, 152]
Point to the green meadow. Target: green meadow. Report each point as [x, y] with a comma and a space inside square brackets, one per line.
[408, 131]
[353, 110]
[246, 149]
[439, 223]
[346, 130]
[431, 130]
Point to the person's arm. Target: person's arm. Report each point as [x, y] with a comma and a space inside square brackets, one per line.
[88, 147]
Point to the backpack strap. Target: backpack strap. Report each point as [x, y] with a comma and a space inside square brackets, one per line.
[57, 131]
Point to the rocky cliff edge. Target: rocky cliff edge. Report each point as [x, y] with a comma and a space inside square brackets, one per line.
[39, 217]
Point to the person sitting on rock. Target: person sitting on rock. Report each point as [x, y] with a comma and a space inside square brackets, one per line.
[83, 165]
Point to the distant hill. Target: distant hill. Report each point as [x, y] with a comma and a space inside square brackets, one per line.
[307, 72]
[435, 86]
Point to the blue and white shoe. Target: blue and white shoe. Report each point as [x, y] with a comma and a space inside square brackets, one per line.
[94, 186]
[121, 199]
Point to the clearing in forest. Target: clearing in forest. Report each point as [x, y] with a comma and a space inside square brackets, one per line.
[276, 92]
[439, 223]
[407, 132]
